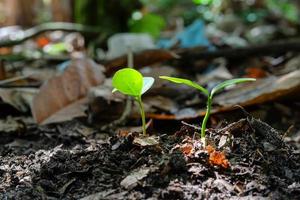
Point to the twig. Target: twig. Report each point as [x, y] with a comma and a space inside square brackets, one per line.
[10, 80]
[255, 50]
[53, 26]
[152, 56]
[288, 131]
[191, 125]
[260, 127]
[37, 85]
[235, 126]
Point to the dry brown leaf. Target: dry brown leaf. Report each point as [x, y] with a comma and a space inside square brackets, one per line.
[11, 125]
[102, 100]
[160, 103]
[76, 109]
[254, 72]
[5, 50]
[133, 130]
[2, 70]
[219, 159]
[141, 59]
[123, 133]
[216, 157]
[102, 195]
[61, 91]
[133, 179]
[144, 141]
[187, 149]
[19, 98]
[261, 91]
[209, 149]
[42, 41]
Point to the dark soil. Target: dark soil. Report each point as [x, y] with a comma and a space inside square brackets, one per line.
[72, 161]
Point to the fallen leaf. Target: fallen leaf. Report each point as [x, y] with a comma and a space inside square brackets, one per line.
[261, 91]
[161, 116]
[141, 59]
[64, 188]
[5, 50]
[132, 179]
[254, 72]
[223, 141]
[99, 195]
[290, 66]
[76, 109]
[186, 113]
[133, 131]
[187, 149]
[19, 98]
[102, 100]
[209, 149]
[42, 41]
[146, 141]
[223, 185]
[161, 103]
[10, 125]
[221, 73]
[123, 133]
[216, 157]
[63, 90]
[2, 70]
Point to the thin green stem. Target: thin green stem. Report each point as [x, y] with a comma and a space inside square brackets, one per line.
[207, 114]
[142, 111]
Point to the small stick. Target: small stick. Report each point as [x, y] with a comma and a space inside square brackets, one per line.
[10, 80]
[2, 70]
[191, 125]
[128, 105]
[288, 131]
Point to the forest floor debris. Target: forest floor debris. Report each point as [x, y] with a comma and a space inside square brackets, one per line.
[77, 165]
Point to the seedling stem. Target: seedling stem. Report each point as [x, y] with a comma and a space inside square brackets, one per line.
[207, 114]
[207, 93]
[132, 83]
[142, 111]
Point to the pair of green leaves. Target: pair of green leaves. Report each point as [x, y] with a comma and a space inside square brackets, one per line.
[215, 90]
[131, 82]
[209, 95]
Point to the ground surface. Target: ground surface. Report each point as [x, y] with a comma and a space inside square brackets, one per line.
[72, 161]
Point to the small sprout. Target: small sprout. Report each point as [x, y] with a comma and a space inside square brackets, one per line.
[209, 94]
[132, 83]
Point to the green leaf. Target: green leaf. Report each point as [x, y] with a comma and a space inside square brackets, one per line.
[202, 2]
[148, 82]
[185, 82]
[128, 81]
[56, 49]
[224, 84]
[149, 23]
[287, 9]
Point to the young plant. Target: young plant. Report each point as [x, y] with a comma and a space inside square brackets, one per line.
[132, 83]
[209, 94]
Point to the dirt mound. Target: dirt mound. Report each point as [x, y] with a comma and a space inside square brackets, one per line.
[255, 164]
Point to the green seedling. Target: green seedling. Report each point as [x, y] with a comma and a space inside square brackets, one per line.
[132, 83]
[209, 94]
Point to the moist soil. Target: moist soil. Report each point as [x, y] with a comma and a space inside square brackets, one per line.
[73, 161]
